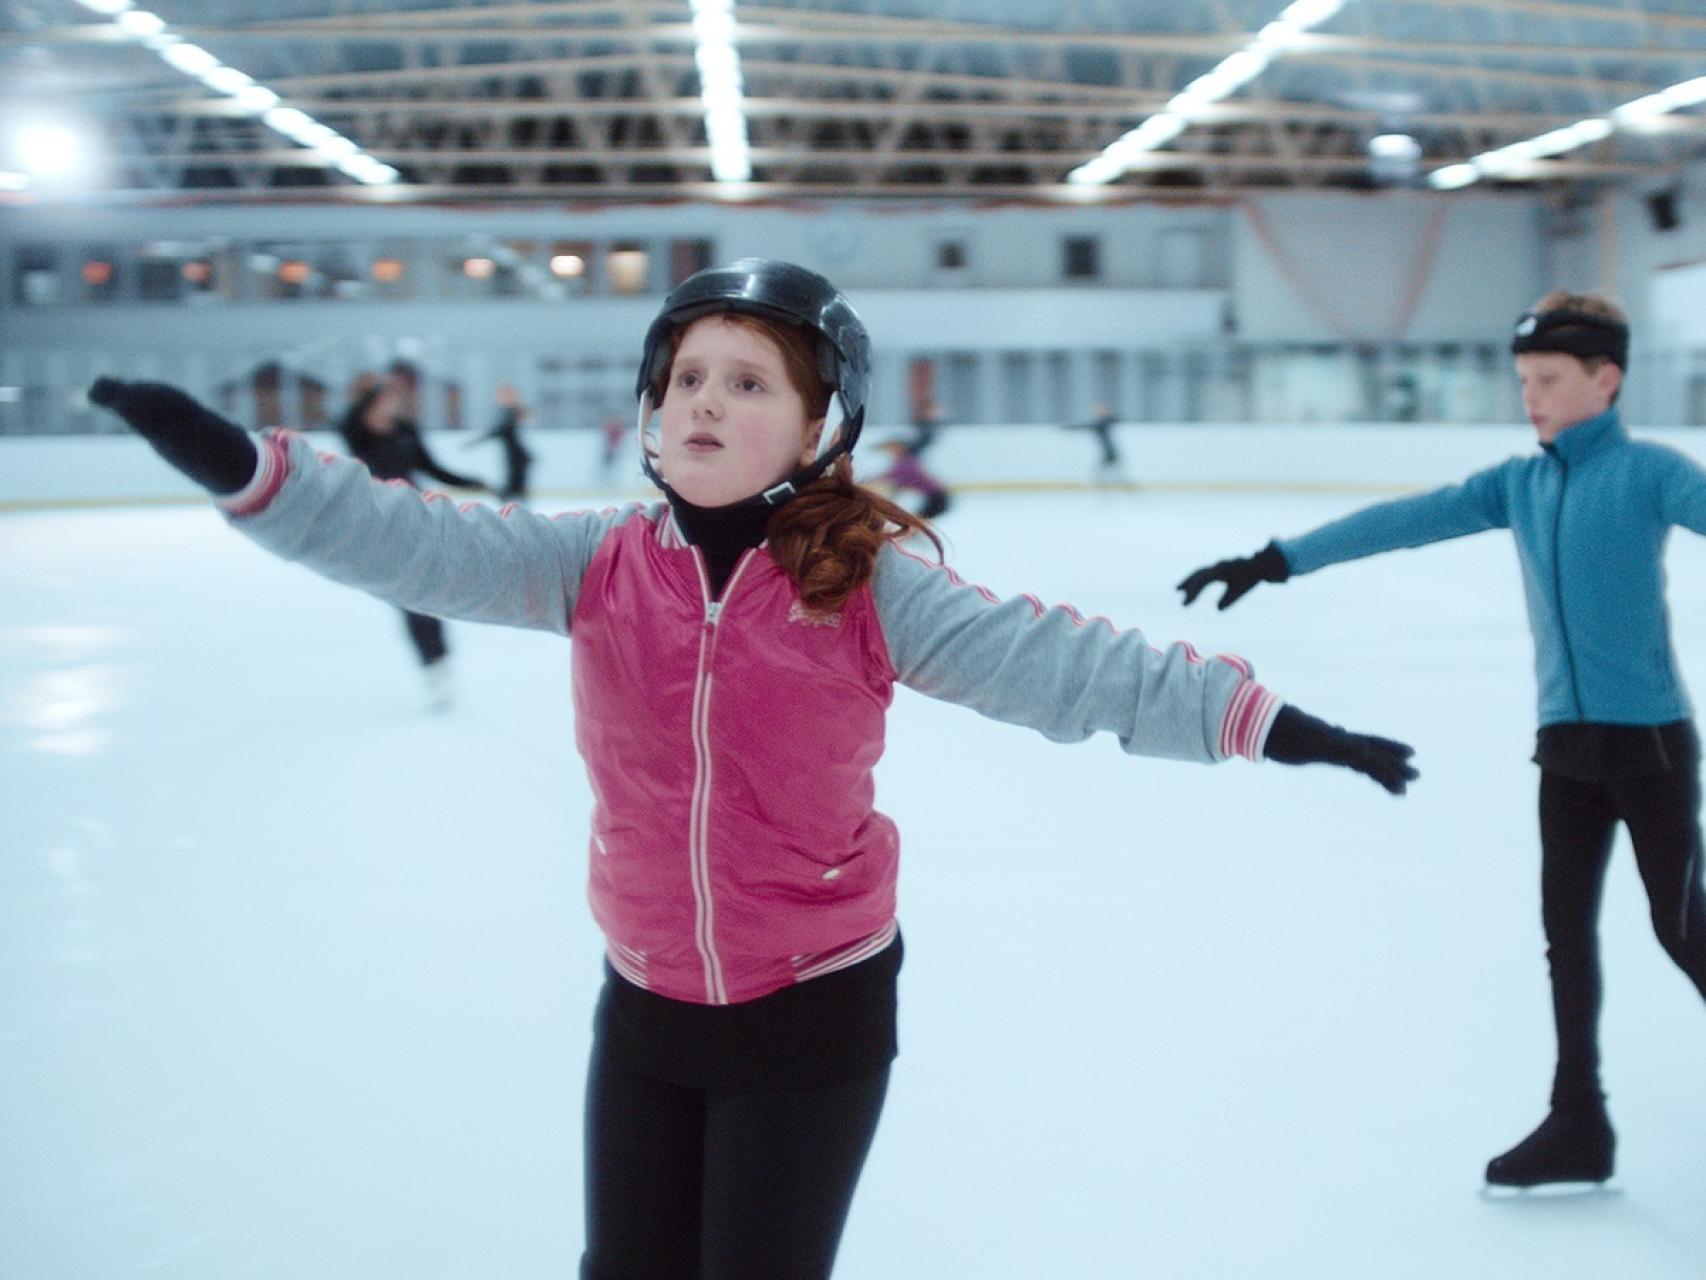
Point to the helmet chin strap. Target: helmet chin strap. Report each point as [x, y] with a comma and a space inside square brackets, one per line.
[785, 489]
[776, 494]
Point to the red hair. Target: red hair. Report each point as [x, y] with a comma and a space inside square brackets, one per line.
[827, 538]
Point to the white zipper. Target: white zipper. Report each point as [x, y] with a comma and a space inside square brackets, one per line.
[698, 840]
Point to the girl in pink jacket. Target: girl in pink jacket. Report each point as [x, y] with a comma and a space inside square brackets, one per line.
[736, 647]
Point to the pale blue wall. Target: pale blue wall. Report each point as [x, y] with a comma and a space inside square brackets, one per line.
[1193, 318]
[1355, 255]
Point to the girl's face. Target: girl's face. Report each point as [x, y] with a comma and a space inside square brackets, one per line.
[732, 424]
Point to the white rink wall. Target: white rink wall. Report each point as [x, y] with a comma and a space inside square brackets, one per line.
[38, 472]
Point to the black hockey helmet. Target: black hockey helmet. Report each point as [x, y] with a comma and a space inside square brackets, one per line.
[778, 291]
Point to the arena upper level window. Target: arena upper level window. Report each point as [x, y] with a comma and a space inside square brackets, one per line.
[449, 269]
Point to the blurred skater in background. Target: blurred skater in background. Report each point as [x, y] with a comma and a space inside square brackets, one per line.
[517, 460]
[378, 430]
[907, 474]
[926, 426]
[613, 439]
[1110, 471]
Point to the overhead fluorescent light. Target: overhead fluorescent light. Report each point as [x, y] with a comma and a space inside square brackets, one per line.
[1228, 76]
[722, 91]
[150, 30]
[1516, 160]
[189, 58]
[1453, 176]
[1394, 146]
[139, 22]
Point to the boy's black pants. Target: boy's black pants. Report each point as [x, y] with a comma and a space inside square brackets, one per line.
[1577, 821]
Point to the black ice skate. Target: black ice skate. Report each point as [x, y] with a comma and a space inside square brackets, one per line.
[1571, 1145]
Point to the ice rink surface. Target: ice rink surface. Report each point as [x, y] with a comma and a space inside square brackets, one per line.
[296, 978]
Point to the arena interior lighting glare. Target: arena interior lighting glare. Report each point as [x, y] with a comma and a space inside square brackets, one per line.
[150, 31]
[1453, 176]
[1232, 73]
[50, 152]
[1398, 147]
[1516, 161]
[721, 90]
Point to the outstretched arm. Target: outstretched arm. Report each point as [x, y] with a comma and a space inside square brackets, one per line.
[424, 461]
[508, 421]
[1455, 511]
[217, 454]
[1682, 488]
[416, 550]
[1067, 677]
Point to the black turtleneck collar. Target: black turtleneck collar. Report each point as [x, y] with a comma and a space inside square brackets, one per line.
[721, 533]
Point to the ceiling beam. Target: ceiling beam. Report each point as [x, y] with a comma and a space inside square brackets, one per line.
[790, 193]
[819, 74]
[861, 161]
[1570, 12]
[1230, 111]
[798, 29]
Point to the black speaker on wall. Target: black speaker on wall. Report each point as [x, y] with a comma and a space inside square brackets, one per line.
[1661, 207]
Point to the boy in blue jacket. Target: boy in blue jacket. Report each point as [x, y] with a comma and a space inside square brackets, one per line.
[1590, 513]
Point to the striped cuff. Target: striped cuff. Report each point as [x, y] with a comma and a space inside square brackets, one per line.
[1249, 716]
[272, 465]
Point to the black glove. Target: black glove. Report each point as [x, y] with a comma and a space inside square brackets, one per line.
[1267, 565]
[1299, 738]
[218, 455]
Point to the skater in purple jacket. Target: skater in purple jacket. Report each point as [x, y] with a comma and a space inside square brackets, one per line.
[907, 474]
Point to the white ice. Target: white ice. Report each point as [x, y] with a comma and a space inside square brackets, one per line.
[295, 978]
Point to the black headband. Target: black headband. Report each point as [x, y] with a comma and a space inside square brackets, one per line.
[1573, 333]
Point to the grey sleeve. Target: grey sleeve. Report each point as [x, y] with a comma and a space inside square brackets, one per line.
[417, 549]
[1063, 675]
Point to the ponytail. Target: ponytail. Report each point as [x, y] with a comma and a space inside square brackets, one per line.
[827, 538]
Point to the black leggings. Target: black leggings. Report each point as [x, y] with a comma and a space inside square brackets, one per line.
[1577, 820]
[427, 635]
[693, 1184]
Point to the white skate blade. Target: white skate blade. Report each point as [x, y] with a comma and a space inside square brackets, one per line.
[1550, 1192]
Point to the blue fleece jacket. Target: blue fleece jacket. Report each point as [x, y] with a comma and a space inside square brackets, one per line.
[1590, 514]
